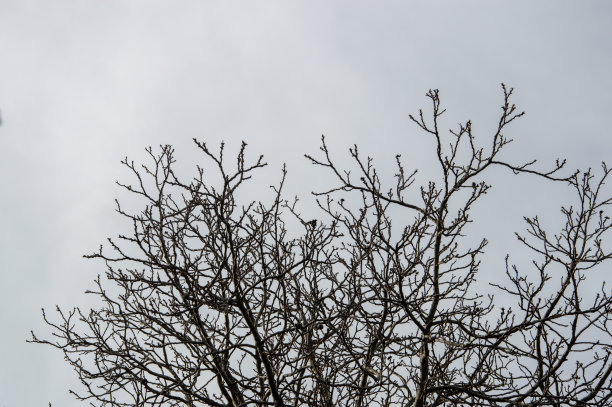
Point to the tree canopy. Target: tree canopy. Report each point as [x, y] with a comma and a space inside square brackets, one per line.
[212, 301]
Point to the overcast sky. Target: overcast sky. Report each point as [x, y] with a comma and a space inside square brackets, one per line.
[85, 83]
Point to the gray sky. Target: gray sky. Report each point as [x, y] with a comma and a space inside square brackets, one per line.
[85, 83]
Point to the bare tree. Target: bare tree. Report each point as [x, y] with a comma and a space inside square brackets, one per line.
[210, 301]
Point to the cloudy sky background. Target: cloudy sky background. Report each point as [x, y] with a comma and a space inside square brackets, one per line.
[85, 83]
